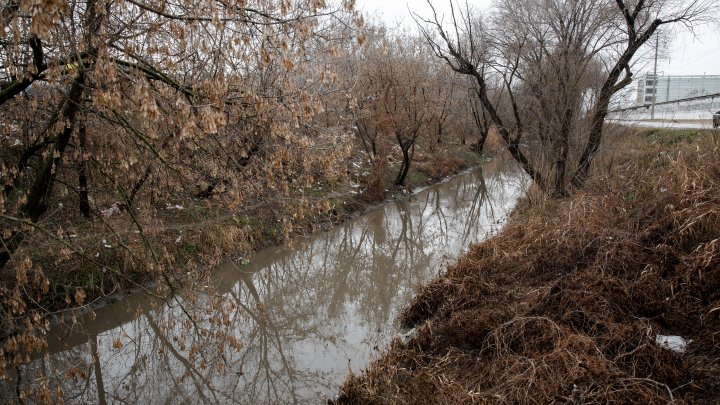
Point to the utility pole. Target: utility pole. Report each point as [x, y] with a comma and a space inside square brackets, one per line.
[655, 79]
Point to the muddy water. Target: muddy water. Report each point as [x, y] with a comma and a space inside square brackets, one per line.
[288, 326]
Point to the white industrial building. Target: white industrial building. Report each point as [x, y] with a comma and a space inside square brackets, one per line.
[659, 89]
[698, 110]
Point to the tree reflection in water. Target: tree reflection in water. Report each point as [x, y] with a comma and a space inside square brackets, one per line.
[287, 327]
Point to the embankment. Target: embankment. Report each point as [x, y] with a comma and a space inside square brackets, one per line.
[570, 303]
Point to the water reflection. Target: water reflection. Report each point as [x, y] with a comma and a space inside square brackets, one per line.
[287, 327]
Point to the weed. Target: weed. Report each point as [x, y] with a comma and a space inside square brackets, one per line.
[413, 177]
[190, 248]
[668, 137]
[630, 197]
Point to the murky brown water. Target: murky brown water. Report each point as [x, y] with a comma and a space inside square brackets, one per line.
[288, 326]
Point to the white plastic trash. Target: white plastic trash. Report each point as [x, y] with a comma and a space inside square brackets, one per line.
[675, 343]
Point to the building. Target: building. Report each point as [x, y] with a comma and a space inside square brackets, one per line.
[671, 88]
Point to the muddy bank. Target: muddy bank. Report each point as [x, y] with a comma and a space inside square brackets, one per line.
[610, 295]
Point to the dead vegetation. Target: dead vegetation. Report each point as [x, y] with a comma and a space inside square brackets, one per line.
[441, 165]
[565, 305]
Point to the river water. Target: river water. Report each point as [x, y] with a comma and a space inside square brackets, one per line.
[288, 325]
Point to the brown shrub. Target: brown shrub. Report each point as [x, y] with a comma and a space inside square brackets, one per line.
[375, 187]
[494, 144]
[441, 165]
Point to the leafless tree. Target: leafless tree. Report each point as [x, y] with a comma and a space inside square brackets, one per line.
[559, 62]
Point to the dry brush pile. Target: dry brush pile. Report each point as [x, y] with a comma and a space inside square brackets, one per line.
[565, 305]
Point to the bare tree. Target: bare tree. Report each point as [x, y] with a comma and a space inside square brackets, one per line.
[399, 92]
[559, 62]
[639, 21]
[406, 101]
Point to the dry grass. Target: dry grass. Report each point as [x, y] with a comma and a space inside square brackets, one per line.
[441, 165]
[376, 183]
[494, 144]
[565, 304]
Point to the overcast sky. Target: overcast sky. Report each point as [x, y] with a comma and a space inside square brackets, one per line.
[687, 55]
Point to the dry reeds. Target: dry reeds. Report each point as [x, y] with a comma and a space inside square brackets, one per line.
[494, 144]
[566, 303]
[441, 165]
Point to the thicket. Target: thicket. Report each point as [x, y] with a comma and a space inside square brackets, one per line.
[144, 140]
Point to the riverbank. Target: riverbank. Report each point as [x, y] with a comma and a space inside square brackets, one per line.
[176, 243]
[295, 316]
[609, 295]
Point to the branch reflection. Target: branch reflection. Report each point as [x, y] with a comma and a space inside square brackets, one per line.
[286, 327]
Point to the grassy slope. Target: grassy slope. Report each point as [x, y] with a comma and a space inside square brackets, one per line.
[565, 304]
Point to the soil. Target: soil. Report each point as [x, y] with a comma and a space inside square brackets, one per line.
[572, 302]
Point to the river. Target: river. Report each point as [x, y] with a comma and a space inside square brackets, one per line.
[290, 323]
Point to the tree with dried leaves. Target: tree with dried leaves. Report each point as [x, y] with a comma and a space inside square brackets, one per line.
[128, 104]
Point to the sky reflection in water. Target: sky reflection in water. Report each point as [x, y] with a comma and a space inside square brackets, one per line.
[304, 314]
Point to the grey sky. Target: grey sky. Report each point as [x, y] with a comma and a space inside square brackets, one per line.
[687, 54]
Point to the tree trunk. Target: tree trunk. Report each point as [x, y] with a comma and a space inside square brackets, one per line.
[512, 143]
[368, 142]
[41, 190]
[82, 174]
[609, 88]
[138, 185]
[560, 189]
[36, 203]
[405, 166]
[560, 169]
